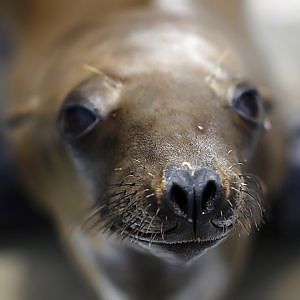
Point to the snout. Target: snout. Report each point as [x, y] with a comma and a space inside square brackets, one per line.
[190, 213]
[194, 200]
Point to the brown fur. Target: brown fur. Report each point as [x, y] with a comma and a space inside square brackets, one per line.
[167, 105]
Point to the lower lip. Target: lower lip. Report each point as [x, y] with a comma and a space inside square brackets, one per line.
[183, 243]
[182, 252]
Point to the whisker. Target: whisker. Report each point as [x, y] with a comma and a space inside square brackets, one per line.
[236, 164]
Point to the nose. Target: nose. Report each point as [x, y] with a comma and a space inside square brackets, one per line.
[193, 195]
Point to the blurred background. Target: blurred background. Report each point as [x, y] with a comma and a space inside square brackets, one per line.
[33, 265]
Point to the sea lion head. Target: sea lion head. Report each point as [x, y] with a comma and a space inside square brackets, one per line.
[165, 146]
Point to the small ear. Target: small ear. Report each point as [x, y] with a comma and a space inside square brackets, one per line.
[267, 98]
[23, 114]
[17, 120]
[268, 105]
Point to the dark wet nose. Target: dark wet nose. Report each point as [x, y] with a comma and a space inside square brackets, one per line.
[193, 195]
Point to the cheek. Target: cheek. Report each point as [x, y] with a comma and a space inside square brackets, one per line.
[237, 137]
[246, 142]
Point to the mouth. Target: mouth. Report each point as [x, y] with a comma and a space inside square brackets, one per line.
[184, 248]
[168, 235]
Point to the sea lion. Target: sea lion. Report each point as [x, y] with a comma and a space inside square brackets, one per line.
[138, 135]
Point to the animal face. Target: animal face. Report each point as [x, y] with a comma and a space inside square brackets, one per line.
[165, 149]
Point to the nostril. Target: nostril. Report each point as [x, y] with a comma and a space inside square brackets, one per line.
[195, 197]
[179, 198]
[209, 196]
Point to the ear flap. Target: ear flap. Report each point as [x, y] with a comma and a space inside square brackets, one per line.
[21, 115]
[267, 99]
[268, 104]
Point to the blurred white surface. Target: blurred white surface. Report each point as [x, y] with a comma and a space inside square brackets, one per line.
[12, 274]
[275, 28]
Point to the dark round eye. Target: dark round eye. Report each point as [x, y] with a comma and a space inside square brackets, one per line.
[76, 121]
[248, 104]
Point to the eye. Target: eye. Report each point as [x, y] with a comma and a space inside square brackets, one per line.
[248, 103]
[77, 120]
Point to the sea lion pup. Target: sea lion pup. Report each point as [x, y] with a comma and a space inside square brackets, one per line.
[138, 137]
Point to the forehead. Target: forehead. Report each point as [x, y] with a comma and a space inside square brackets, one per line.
[163, 46]
[131, 48]
[166, 91]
